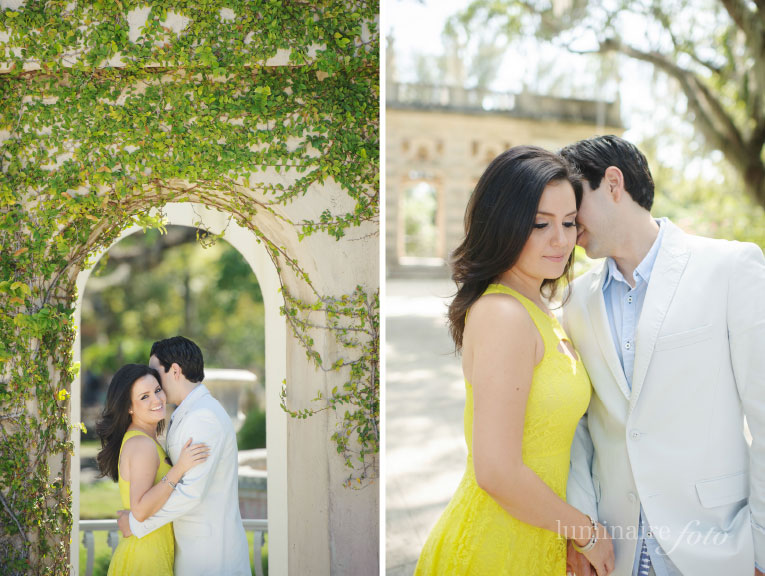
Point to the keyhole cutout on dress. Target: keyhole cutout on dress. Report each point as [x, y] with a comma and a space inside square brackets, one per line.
[566, 348]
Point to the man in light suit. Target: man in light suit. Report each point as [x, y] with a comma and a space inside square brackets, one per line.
[204, 507]
[671, 329]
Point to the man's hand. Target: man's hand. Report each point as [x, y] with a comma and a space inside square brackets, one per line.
[577, 564]
[124, 523]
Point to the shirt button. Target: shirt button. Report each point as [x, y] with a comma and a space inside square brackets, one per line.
[629, 299]
[635, 435]
[649, 534]
[628, 345]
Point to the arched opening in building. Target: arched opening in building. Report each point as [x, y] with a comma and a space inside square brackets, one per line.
[226, 299]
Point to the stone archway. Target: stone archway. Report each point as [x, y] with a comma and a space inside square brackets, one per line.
[245, 242]
[264, 113]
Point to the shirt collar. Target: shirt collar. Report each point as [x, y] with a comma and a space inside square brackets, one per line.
[643, 271]
[192, 397]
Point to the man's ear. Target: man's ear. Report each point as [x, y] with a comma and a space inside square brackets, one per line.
[176, 371]
[615, 181]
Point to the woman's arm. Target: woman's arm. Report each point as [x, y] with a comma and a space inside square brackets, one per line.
[504, 349]
[206, 427]
[140, 455]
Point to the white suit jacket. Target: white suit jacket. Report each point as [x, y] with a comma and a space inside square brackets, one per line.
[675, 442]
[204, 508]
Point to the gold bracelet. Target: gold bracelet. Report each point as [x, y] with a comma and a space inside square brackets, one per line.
[168, 481]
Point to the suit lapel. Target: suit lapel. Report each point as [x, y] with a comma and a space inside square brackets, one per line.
[596, 306]
[181, 411]
[175, 420]
[665, 277]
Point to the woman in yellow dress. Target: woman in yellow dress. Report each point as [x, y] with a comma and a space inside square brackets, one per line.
[130, 454]
[525, 386]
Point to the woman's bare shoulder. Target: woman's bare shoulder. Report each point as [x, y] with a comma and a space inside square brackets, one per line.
[501, 312]
[139, 446]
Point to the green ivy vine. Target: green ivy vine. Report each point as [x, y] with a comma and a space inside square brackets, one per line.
[355, 321]
[100, 125]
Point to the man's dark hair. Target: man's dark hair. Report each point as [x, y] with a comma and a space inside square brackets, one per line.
[181, 351]
[591, 157]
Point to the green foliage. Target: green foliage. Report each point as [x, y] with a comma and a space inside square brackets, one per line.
[102, 552]
[208, 294]
[712, 203]
[252, 434]
[355, 319]
[420, 208]
[710, 49]
[234, 271]
[101, 565]
[101, 130]
[263, 552]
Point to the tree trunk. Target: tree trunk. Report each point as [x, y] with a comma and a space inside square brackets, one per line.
[754, 179]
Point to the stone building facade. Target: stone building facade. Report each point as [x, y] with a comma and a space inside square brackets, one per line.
[439, 140]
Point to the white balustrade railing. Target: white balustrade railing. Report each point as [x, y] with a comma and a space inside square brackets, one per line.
[525, 104]
[88, 527]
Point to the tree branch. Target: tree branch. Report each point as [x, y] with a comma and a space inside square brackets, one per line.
[714, 121]
[666, 22]
[757, 139]
[13, 517]
[752, 24]
[760, 10]
[741, 14]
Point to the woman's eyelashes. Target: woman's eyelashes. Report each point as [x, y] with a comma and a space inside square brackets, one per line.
[157, 391]
[540, 225]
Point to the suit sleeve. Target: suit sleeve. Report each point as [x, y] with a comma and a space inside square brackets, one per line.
[202, 426]
[746, 333]
[580, 491]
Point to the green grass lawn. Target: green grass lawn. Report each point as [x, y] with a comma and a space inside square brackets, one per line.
[99, 500]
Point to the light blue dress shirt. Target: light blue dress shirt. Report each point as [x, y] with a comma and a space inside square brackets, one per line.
[623, 306]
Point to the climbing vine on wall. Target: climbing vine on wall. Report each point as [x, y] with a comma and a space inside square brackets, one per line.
[355, 320]
[110, 109]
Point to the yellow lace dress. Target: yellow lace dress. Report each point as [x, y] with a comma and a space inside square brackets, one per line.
[475, 535]
[152, 555]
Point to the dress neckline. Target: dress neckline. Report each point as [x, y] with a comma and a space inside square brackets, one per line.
[145, 434]
[515, 292]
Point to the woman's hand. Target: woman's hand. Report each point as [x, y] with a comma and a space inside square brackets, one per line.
[576, 562]
[191, 455]
[602, 555]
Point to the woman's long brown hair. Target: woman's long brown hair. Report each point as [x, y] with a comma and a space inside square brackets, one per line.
[498, 221]
[115, 418]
